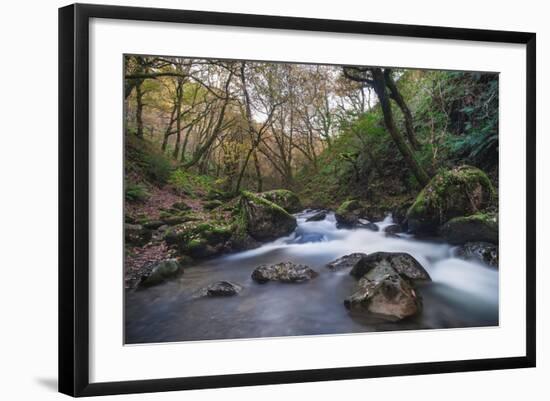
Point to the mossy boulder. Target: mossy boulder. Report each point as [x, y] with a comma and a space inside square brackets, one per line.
[161, 272]
[262, 219]
[199, 239]
[479, 227]
[461, 191]
[286, 199]
[349, 213]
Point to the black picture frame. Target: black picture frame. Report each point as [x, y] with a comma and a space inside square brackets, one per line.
[74, 198]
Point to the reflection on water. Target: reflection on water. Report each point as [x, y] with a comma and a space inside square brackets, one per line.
[462, 294]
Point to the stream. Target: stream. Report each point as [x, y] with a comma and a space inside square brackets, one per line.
[462, 293]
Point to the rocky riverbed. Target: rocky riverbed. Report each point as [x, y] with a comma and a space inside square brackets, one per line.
[305, 283]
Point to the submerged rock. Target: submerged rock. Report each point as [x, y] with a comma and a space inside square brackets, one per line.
[264, 220]
[286, 272]
[482, 251]
[384, 293]
[480, 227]
[222, 289]
[319, 216]
[284, 198]
[362, 223]
[161, 272]
[393, 229]
[346, 261]
[461, 191]
[403, 263]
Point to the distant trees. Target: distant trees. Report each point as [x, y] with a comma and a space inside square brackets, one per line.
[252, 121]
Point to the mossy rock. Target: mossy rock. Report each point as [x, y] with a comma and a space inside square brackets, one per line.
[199, 239]
[262, 219]
[461, 191]
[479, 227]
[348, 213]
[213, 204]
[161, 272]
[286, 199]
[172, 217]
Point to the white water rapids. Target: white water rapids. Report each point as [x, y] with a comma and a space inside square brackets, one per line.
[462, 293]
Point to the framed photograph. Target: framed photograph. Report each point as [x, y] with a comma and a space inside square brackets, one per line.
[250, 199]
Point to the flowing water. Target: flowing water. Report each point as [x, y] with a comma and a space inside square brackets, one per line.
[462, 293]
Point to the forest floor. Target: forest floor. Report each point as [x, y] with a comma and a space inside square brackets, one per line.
[138, 258]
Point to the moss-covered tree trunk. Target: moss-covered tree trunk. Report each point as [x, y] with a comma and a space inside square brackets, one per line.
[396, 95]
[379, 83]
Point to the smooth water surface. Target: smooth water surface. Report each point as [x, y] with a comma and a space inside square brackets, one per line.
[462, 294]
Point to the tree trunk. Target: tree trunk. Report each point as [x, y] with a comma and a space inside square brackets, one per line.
[380, 89]
[179, 95]
[258, 171]
[216, 130]
[139, 111]
[395, 95]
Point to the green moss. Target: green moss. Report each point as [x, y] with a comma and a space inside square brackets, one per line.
[213, 204]
[136, 192]
[285, 198]
[348, 206]
[487, 218]
[249, 196]
[461, 191]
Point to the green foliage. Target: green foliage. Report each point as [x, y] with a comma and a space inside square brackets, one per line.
[135, 192]
[144, 160]
[192, 184]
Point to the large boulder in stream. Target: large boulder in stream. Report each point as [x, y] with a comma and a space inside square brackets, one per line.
[286, 199]
[461, 191]
[400, 262]
[286, 272]
[475, 228]
[346, 261]
[482, 251]
[386, 285]
[262, 219]
[383, 292]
